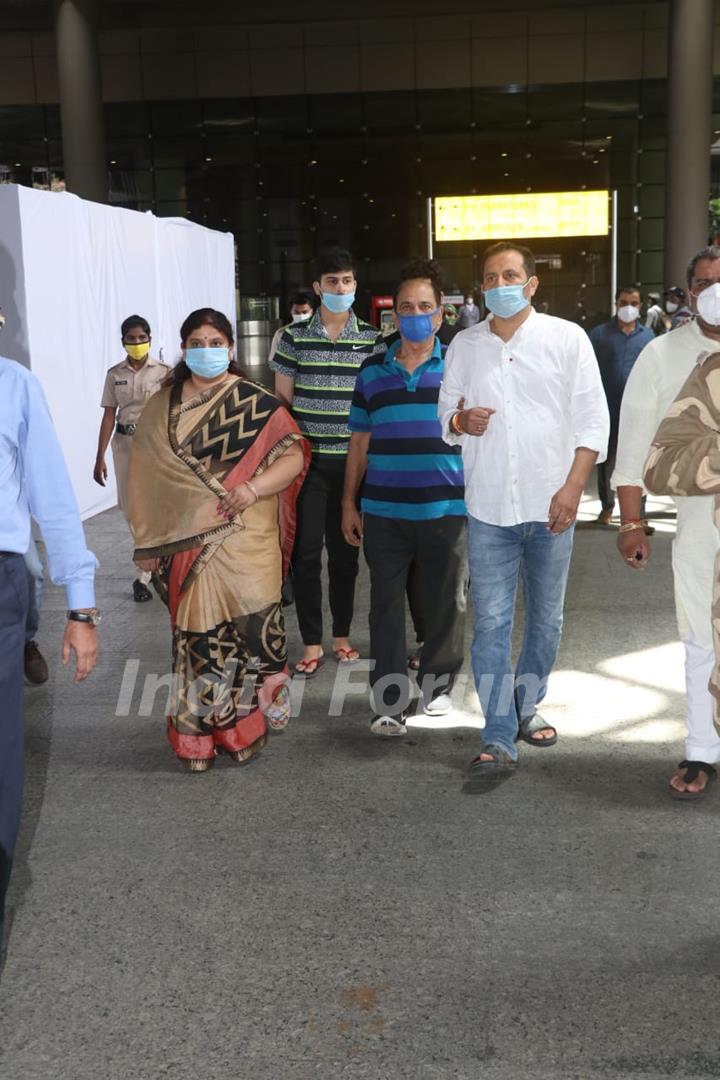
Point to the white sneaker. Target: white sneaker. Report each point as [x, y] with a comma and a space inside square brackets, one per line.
[388, 725]
[438, 706]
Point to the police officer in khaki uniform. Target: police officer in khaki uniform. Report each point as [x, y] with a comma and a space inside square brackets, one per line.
[128, 386]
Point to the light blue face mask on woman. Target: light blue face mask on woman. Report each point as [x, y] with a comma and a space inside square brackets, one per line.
[208, 363]
[506, 300]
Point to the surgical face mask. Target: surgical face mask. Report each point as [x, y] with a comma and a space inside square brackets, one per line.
[708, 305]
[300, 316]
[417, 327]
[627, 313]
[671, 307]
[137, 352]
[506, 300]
[208, 363]
[338, 302]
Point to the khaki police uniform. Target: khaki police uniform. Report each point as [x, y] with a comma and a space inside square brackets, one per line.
[127, 390]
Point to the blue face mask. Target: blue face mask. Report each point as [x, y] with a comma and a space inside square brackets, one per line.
[208, 363]
[506, 300]
[417, 327]
[338, 302]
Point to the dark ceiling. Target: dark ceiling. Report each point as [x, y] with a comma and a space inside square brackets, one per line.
[38, 14]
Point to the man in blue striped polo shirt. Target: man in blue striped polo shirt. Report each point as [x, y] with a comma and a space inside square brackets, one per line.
[412, 504]
[315, 367]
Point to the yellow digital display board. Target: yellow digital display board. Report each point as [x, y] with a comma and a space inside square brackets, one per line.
[523, 216]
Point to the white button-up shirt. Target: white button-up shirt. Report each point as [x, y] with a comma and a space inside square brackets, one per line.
[545, 386]
[655, 381]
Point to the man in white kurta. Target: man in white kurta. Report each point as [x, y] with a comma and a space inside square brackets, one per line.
[658, 374]
[522, 396]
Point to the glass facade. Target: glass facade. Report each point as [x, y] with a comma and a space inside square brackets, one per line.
[288, 175]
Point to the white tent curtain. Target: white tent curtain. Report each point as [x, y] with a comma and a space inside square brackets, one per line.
[70, 272]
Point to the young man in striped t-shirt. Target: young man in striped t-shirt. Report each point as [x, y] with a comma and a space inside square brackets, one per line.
[315, 367]
[412, 503]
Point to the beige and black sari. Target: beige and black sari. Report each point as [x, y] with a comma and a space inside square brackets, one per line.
[221, 579]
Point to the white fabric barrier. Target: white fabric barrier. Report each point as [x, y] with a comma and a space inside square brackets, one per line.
[70, 272]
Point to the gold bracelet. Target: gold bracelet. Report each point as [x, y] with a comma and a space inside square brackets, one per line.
[253, 489]
[454, 424]
[630, 526]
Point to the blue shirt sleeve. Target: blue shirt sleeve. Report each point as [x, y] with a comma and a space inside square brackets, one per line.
[52, 502]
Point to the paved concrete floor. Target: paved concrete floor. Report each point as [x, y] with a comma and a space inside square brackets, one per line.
[341, 909]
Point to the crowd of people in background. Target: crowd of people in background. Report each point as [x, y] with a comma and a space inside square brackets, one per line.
[457, 461]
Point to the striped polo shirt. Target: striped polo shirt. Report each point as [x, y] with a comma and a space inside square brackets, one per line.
[412, 473]
[324, 372]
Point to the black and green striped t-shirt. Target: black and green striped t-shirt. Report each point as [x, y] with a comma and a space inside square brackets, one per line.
[324, 372]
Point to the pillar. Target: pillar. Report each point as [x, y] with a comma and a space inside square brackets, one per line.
[689, 132]
[81, 108]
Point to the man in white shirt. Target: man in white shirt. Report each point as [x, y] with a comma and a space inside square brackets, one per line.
[522, 394]
[659, 373]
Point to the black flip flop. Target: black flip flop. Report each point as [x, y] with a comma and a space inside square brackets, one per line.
[694, 768]
[532, 724]
[480, 775]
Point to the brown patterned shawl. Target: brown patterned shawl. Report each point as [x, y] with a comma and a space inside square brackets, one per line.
[685, 460]
[186, 455]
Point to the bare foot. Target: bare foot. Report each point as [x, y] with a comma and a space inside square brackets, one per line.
[312, 652]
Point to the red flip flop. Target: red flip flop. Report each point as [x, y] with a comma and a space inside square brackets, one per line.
[346, 656]
[308, 669]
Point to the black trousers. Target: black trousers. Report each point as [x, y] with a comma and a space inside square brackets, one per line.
[319, 523]
[13, 616]
[606, 494]
[437, 551]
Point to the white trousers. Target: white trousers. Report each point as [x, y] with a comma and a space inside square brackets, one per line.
[703, 741]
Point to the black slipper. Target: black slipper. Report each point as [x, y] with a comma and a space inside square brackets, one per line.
[530, 726]
[694, 768]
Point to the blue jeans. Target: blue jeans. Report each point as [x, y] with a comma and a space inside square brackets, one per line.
[498, 555]
[36, 580]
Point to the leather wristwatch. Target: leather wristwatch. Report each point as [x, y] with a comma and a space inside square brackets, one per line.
[93, 616]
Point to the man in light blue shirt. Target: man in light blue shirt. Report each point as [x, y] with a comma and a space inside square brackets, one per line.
[34, 481]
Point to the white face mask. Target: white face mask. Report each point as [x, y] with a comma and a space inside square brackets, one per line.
[671, 308]
[708, 305]
[627, 313]
[300, 316]
[470, 302]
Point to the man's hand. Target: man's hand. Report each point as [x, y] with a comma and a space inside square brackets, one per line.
[81, 639]
[634, 548]
[100, 472]
[473, 421]
[148, 565]
[564, 507]
[351, 526]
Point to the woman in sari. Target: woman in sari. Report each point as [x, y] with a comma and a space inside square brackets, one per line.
[215, 469]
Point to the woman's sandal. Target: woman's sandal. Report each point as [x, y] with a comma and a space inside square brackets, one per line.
[346, 656]
[530, 726]
[693, 770]
[308, 669]
[277, 713]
